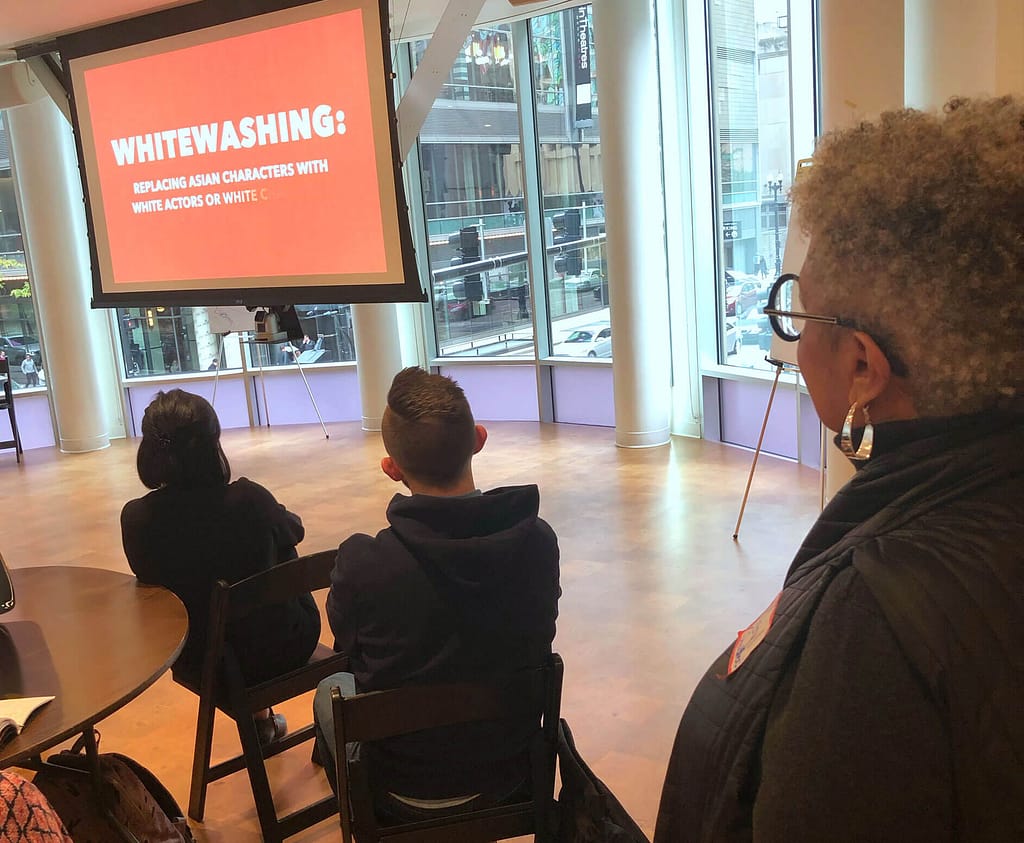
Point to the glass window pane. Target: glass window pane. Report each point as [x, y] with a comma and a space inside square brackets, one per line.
[173, 340]
[166, 341]
[753, 116]
[326, 338]
[19, 331]
[473, 199]
[564, 75]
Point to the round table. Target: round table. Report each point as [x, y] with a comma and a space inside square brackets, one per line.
[94, 639]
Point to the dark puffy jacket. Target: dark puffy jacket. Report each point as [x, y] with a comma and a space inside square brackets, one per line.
[927, 536]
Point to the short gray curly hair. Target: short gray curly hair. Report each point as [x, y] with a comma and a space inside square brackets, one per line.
[917, 225]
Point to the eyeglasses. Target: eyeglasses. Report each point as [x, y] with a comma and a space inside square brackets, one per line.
[787, 323]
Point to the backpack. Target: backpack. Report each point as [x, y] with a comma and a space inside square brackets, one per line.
[588, 810]
[137, 799]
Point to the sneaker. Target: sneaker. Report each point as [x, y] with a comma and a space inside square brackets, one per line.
[271, 729]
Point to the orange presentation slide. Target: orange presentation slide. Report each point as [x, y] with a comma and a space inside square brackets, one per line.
[251, 156]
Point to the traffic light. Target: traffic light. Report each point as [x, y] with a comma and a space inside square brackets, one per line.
[568, 228]
[467, 243]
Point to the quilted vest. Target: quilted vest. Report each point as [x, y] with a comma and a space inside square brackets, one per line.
[936, 528]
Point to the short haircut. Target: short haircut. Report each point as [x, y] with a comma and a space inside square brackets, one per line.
[428, 427]
[180, 445]
[915, 224]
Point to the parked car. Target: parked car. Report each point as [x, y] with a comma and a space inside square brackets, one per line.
[17, 346]
[740, 298]
[587, 341]
[450, 297]
[756, 330]
[733, 337]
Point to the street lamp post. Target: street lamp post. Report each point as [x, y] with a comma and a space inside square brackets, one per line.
[775, 186]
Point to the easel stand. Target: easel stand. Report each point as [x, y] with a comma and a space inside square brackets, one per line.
[779, 367]
[263, 383]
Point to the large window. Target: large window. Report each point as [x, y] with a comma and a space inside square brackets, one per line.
[564, 79]
[158, 341]
[754, 102]
[19, 331]
[473, 182]
[472, 178]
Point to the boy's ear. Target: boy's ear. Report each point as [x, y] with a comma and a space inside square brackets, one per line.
[481, 438]
[391, 469]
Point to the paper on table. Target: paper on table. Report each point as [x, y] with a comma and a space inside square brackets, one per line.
[15, 713]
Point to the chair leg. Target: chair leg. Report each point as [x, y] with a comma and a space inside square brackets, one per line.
[201, 760]
[254, 765]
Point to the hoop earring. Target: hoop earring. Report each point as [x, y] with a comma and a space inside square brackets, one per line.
[846, 438]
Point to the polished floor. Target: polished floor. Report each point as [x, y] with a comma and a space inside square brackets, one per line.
[653, 585]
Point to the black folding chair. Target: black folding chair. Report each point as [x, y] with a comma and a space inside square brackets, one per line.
[221, 686]
[7, 403]
[383, 714]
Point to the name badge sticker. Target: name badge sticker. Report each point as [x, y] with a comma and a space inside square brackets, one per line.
[748, 639]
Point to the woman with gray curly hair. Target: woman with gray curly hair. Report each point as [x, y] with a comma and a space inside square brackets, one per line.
[879, 697]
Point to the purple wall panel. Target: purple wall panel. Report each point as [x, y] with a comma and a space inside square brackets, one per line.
[584, 395]
[336, 392]
[712, 409]
[34, 422]
[231, 407]
[743, 406]
[810, 433]
[498, 393]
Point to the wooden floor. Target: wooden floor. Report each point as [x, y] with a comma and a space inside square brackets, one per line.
[653, 585]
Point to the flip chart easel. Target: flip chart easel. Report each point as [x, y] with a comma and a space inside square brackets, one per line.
[227, 320]
[783, 355]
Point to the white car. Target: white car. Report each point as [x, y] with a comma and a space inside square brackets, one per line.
[733, 337]
[587, 341]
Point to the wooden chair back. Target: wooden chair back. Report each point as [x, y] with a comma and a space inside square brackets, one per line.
[221, 685]
[7, 403]
[535, 693]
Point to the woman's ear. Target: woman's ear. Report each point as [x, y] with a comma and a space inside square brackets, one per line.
[874, 382]
[872, 372]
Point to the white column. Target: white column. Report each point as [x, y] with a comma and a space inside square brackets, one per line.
[861, 60]
[634, 221]
[960, 48]
[378, 357]
[861, 76]
[77, 348]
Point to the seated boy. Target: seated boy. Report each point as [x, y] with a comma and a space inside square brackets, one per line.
[463, 586]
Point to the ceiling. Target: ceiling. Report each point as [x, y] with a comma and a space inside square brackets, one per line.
[30, 21]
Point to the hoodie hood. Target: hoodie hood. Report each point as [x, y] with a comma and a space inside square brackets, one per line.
[476, 542]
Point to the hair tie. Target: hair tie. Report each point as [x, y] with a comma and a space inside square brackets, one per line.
[164, 440]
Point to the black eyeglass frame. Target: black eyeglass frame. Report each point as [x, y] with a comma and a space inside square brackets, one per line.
[775, 315]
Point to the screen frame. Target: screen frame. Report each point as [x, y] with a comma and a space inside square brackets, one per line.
[203, 15]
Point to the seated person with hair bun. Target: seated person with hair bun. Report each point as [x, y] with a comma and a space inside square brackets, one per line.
[197, 527]
[462, 587]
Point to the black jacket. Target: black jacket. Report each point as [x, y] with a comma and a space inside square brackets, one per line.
[187, 539]
[885, 702]
[457, 589]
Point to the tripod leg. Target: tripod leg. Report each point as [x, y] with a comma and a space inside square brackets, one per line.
[757, 451]
[312, 400]
[216, 376]
[263, 384]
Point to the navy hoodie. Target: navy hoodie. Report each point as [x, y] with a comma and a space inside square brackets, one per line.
[457, 589]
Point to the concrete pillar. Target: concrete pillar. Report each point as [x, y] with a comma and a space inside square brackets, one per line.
[963, 48]
[634, 221]
[861, 76]
[378, 357]
[77, 345]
